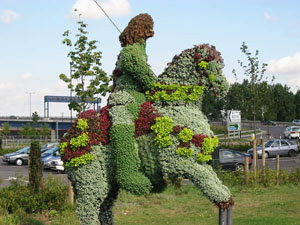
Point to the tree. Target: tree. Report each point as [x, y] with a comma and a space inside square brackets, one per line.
[45, 129]
[255, 73]
[297, 104]
[85, 62]
[5, 129]
[27, 130]
[35, 166]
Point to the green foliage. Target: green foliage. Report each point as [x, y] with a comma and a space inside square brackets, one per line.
[85, 62]
[62, 147]
[188, 152]
[35, 118]
[122, 138]
[45, 129]
[27, 130]
[82, 124]
[35, 167]
[5, 129]
[163, 127]
[81, 160]
[185, 135]
[18, 198]
[186, 93]
[79, 141]
[0, 142]
[202, 65]
[133, 63]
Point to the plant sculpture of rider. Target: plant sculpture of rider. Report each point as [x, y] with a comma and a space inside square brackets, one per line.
[132, 77]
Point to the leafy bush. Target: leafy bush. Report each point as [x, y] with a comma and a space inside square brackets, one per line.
[17, 197]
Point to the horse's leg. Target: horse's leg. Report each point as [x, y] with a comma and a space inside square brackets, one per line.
[106, 216]
[201, 175]
[91, 185]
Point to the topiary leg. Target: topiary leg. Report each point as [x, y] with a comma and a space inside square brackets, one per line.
[127, 161]
[106, 216]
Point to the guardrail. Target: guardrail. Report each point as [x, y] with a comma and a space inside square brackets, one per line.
[239, 134]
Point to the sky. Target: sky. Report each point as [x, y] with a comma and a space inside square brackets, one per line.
[32, 55]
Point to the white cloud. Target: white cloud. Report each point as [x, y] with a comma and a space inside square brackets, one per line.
[287, 69]
[7, 16]
[269, 17]
[89, 9]
[26, 76]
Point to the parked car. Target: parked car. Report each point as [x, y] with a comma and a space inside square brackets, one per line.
[47, 160]
[296, 122]
[49, 154]
[57, 165]
[47, 146]
[19, 157]
[230, 159]
[292, 132]
[269, 122]
[275, 147]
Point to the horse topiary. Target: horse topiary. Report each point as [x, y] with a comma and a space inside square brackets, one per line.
[151, 131]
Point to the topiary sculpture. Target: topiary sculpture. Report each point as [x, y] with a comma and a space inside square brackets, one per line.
[159, 135]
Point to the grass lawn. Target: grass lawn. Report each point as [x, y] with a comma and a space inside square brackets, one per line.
[187, 206]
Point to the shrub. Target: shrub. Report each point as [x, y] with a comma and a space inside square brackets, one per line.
[35, 166]
[17, 197]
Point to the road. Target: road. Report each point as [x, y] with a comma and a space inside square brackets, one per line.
[9, 172]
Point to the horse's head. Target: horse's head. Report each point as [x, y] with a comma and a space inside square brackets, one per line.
[201, 65]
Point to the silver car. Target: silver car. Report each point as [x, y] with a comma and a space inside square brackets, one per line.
[276, 147]
[19, 157]
[292, 132]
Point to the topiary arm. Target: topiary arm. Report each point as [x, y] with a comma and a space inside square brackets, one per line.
[133, 60]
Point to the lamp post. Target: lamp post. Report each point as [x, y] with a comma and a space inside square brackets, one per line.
[30, 93]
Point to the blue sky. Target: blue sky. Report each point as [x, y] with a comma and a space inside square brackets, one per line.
[32, 55]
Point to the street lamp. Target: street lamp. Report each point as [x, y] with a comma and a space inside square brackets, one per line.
[30, 93]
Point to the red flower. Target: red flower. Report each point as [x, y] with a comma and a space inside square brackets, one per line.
[198, 139]
[146, 119]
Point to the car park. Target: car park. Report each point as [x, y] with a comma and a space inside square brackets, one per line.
[230, 159]
[292, 132]
[275, 147]
[18, 158]
[47, 146]
[47, 161]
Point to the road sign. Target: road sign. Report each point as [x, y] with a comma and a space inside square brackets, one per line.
[232, 126]
[234, 116]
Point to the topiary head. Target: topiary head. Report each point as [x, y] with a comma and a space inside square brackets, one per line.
[139, 29]
[201, 65]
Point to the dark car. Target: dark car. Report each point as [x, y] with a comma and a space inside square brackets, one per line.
[269, 122]
[19, 157]
[230, 159]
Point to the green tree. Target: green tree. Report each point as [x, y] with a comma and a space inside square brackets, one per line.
[85, 62]
[255, 73]
[35, 166]
[297, 104]
[45, 129]
[5, 129]
[27, 130]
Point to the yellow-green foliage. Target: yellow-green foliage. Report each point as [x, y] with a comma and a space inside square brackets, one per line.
[208, 146]
[202, 65]
[80, 141]
[82, 124]
[185, 135]
[81, 160]
[163, 127]
[188, 152]
[212, 78]
[187, 93]
[62, 147]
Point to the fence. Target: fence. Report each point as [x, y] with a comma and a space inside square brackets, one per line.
[17, 140]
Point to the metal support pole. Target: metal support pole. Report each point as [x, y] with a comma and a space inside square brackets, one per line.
[222, 216]
[229, 215]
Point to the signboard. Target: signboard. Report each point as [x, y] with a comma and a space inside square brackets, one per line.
[232, 126]
[234, 116]
[234, 120]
